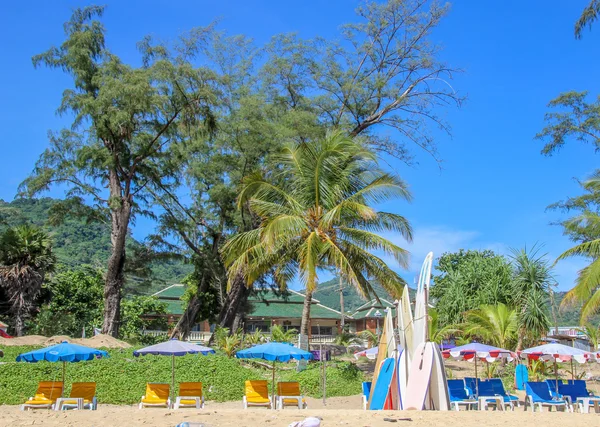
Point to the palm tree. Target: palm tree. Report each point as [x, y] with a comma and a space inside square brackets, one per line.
[437, 334]
[346, 339]
[585, 227]
[531, 287]
[278, 334]
[495, 324]
[25, 259]
[370, 337]
[593, 334]
[315, 213]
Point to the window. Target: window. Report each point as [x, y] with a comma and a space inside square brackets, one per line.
[258, 326]
[322, 330]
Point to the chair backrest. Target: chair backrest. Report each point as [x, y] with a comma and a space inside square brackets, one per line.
[289, 388]
[87, 391]
[457, 390]
[574, 391]
[256, 390]
[190, 389]
[456, 384]
[486, 388]
[471, 384]
[366, 388]
[498, 386]
[157, 391]
[50, 390]
[539, 391]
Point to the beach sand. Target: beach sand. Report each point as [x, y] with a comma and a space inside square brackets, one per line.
[340, 411]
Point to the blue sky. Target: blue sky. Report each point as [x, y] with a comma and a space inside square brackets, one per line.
[493, 186]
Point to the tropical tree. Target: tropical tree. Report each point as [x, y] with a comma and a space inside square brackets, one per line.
[588, 17]
[370, 337]
[278, 334]
[25, 259]
[438, 333]
[593, 334]
[255, 338]
[347, 339]
[494, 324]
[531, 287]
[128, 122]
[315, 213]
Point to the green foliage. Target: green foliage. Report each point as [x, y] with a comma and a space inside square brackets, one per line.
[494, 324]
[438, 333]
[347, 339]
[278, 334]
[369, 336]
[25, 258]
[253, 339]
[588, 17]
[228, 343]
[468, 280]
[139, 313]
[121, 378]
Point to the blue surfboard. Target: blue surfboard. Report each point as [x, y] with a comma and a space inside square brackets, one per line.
[382, 387]
[521, 376]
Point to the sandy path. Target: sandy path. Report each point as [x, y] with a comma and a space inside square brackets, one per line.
[340, 411]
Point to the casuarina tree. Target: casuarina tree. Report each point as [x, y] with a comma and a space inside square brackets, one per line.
[127, 120]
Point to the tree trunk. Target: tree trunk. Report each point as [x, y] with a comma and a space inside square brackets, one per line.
[305, 323]
[114, 273]
[342, 322]
[186, 321]
[19, 324]
[232, 312]
[520, 341]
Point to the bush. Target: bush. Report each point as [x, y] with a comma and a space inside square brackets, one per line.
[121, 379]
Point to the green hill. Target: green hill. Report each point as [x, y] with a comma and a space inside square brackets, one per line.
[76, 243]
[328, 293]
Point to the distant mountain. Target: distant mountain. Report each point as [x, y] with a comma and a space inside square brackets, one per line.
[77, 243]
[569, 316]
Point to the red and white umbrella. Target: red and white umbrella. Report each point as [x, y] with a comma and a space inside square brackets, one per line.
[555, 352]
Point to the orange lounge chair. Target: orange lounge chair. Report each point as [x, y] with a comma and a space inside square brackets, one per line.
[45, 396]
[256, 394]
[157, 396]
[288, 393]
[83, 396]
[190, 396]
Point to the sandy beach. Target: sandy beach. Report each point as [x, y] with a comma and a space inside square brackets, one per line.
[340, 411]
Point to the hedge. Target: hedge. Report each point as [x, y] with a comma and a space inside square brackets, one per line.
[121, 378]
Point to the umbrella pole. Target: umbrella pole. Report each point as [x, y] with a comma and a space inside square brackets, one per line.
[273, 388]
[572, 371]
[476, 378]
[172, 377]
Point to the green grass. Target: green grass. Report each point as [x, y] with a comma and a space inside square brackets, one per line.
[121, 378]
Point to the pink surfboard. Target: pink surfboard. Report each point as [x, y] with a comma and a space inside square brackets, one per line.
[419, 377]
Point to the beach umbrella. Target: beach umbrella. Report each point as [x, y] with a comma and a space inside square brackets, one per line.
[475, 351]
[370, 353]
[63, 352]
[173, 347]
[274, 352]
[555, 352]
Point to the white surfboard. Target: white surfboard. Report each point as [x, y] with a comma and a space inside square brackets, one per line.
[405, 323]
[419, 378]
[420, 318]
[438, 398]
[403, 366]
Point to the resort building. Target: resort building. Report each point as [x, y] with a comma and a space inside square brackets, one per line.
[265, 309]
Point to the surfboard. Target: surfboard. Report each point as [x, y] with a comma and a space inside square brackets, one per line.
[419, 378]
[521, 376]
[382, 354]
[405, 323]
[381, 389]
[402, 377]
[439, 399]
[420, 318]
[392, 352]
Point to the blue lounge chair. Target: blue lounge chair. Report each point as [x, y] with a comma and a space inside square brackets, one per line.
[366, 389]
[576, 392]
[498, 387]
[486, 389]
[471, 385]
[459, 395]
[552, 385]
[539, 394]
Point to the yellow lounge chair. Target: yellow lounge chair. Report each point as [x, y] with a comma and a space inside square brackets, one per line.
[256, 394]
[83, 396]
[190, 396]
[288, 393]
[157, 396]
[45, 396]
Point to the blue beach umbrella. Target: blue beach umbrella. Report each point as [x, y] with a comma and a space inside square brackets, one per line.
[63, 352]
[274, 352]
[173, 348]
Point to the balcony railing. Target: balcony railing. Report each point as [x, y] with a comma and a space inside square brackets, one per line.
[203, 337]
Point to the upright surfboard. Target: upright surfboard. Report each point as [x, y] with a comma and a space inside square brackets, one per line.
[402, 376]
[420, 318]
[438, 397]
[405, 323]
[381, 389]
[392, 352]
[382, 354]
[419, 378]
[521, 376]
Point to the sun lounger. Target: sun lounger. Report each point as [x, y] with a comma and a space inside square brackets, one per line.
[498, 387]
[45, 396]
[157, 396]
[256, 393]
[288, 393]
[83, 396]
[488, 395]
[578, 395]
[539, 394]
[190, 396]
[459, 395]
[366, 392]
[552, 385]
